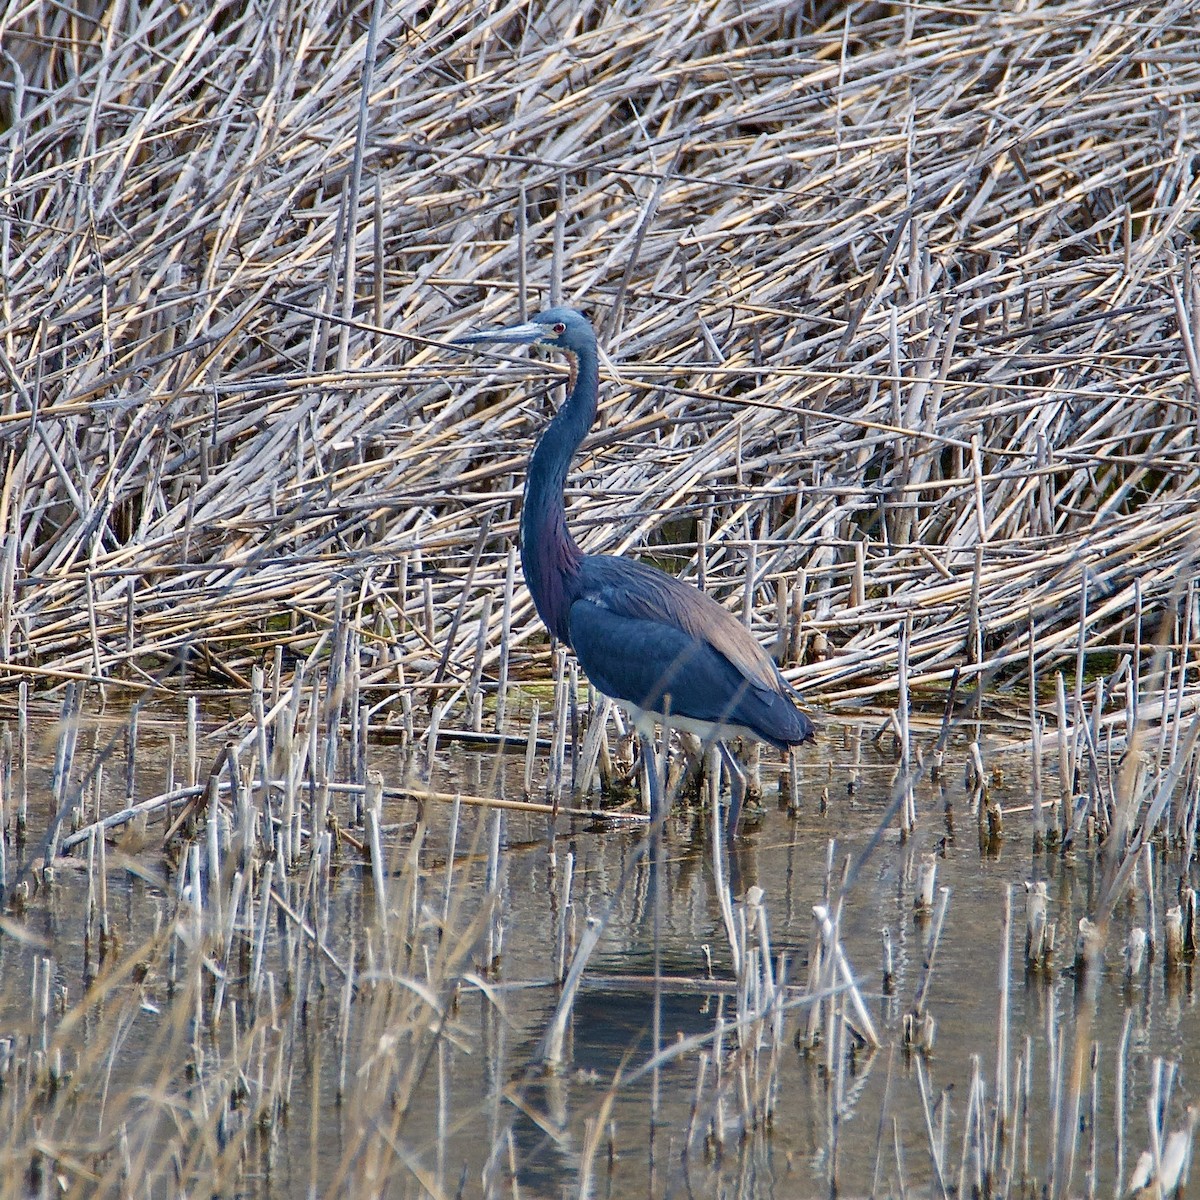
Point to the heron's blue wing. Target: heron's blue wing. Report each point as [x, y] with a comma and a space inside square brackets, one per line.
[644, 662]
[660, 667]
[635, 590]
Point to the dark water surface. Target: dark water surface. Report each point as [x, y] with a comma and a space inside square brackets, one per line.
[486, 1119]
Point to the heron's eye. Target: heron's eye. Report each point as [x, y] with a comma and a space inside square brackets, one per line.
[558, 328]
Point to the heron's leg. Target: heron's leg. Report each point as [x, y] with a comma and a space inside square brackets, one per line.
[653, 777]
[737, 789]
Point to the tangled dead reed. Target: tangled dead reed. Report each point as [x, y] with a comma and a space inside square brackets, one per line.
[901, 302]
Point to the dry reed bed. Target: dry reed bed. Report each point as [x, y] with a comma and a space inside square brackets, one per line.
[900, 300]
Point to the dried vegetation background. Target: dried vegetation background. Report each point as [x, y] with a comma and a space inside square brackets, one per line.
[899, 298]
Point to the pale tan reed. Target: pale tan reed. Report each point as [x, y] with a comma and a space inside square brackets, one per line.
[883, 286]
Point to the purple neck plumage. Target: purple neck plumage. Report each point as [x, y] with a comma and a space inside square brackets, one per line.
[549, 556]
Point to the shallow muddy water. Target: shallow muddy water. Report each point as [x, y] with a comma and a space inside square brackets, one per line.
[470, 1109]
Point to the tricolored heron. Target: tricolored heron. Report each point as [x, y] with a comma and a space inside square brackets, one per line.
[660, 648]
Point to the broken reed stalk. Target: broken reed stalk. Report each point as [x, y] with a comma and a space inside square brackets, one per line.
[919, 1024]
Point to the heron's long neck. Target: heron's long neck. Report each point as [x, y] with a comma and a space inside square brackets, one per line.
[549, 555]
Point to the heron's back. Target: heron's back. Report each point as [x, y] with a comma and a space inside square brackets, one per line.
[665, 648]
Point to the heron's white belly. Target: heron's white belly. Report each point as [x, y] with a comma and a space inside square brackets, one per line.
[708, 731]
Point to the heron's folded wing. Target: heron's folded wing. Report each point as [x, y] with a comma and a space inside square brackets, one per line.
[641, 592]
[661, 669]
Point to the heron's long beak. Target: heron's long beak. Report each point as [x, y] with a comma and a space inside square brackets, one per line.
[513, 335]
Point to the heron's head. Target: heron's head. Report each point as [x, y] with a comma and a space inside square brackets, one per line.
[564, 328]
